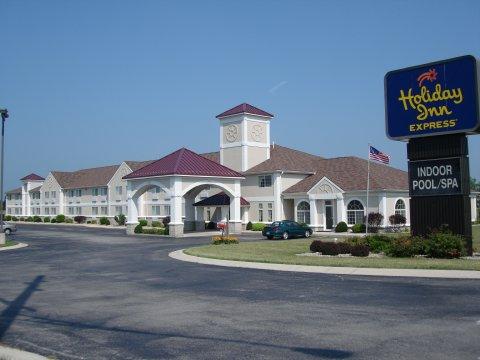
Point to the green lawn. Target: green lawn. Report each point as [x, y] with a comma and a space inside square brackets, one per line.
[284, 252]
[476, 237]
[9, 243]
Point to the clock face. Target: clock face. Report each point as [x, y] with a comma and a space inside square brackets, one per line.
[231, 133]
[256, 133]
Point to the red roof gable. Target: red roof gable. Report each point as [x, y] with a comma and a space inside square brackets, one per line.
[244, 109]
[32, 176]
[183, 162]
[218, 200]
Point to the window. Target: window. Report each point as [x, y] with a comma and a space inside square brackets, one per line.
[70, 210]
[53, 194]
[209, 214]
[71, 193]
[155, 190]
[260, 212]
[355, 213]
[78, 210]
[166, 208]
[9, 211]
[118, 210]
[17, 196]
[104, 210]
[94, 192]
[303, 212]
[103, 191]
[270, 212]
[94, 210]
[156, 210]
[78, 192]
[53, 211]
[118, 190]
[265, 180]
[9, 197]
[46, 194]
[47, 211]
[400, 208]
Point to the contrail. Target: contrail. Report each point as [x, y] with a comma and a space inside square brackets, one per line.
[278, 86]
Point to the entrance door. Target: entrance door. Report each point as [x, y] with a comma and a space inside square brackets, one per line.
[329, 214]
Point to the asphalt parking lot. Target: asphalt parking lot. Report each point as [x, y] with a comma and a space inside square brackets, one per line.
[81, 293]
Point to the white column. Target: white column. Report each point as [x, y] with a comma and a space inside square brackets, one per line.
[25, 202]
[278, 214]
[61, 201]
[383, 209]
[235, 223]
[141, 205]
[176, 223]
[313, 213]
[132, 211]
[340, 211]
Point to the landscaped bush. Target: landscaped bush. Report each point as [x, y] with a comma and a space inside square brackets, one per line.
[228, 240]
[46, 219]
[341, 227]
[7, 218]
[166, 220]
[120, 219]
[325, 248]
[405, 246]
[69, 220]
[37, 219]
[54, 220]
[143, 222]
[258, 226]
[249, 226]
[444, 245]
[211, 225]
[14, 218]
[374, 221]
[377, 243]
[157, 224]
[93, 222]
[359, 228]
[154, 231]
[29, 219]
[397, 220]
[60, 218]
[104, 221]
[79, 219]
[138, 229]
[22, 219]
[360, 250]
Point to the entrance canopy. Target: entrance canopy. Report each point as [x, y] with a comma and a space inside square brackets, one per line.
[183, 174]
[220, 199]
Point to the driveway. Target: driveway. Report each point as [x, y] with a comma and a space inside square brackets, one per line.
[81, 293]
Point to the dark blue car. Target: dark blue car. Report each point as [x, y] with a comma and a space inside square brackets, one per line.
[286, 229]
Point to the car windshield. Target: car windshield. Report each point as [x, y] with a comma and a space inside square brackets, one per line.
[276, 223]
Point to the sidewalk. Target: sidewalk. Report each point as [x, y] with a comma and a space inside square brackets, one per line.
[421, 273]
[8, 353]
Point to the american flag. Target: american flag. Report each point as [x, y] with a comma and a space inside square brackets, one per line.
[379, 156]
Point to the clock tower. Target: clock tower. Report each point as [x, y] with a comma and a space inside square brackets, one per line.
[244, 137]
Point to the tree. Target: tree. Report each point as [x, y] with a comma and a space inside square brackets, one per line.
[474, 184]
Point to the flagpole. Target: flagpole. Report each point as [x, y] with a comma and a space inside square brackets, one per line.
[368, 188]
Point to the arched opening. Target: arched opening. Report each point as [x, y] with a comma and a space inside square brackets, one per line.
[355, 212]
[400, 208]
[303, 212]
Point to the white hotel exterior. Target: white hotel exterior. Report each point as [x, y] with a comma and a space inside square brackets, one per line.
[249, 179]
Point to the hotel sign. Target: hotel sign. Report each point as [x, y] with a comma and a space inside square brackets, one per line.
[432, 99]
[435, 177]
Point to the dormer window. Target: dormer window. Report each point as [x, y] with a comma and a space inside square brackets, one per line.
[265, 181]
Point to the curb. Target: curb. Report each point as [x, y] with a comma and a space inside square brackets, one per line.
[91, 226]
[9, 353]
[419, 273]
[13, 247]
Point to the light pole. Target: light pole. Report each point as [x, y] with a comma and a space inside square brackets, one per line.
[4, 115]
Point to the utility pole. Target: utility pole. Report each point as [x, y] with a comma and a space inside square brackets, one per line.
[4, 115]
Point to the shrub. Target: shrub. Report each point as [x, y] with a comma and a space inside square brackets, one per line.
[46, 219]
[29, 219]
[359, 228]
[143, 222]
[93, 222]
[341, 227]
[54, 220]
[79, 219]
[89, 221]
[360, 250]
[166, 221]
[249, 225]
[228, 240]
[211, 225]
[69, 220]
[375, 219]
[14, 218]
[325, 248]
[60, 218]
[405, 246]
[344, 248]
[154, 231]
[138, 229]
[378, 243]
[444, 245]
[37, 219]
[397, 220]
[157, 224]
[104, 221]
[120, 219]
[7, 218]
[22, 219]
[258, 226]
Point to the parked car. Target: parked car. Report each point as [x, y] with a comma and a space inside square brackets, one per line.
[286, 229]
[9, 228]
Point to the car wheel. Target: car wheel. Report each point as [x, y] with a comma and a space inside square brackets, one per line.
[285, 235]
[7, 231]
[269, 237]
[308, 233]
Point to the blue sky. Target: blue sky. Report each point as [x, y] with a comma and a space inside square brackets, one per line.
[92, 83]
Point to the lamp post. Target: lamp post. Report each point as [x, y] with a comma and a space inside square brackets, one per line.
[4, 115]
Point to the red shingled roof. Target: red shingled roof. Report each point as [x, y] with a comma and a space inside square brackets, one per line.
[244, 109]
[183, 162]
[33, 177]
[218, 200]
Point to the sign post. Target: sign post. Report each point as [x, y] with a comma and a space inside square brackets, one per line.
[433, 107]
